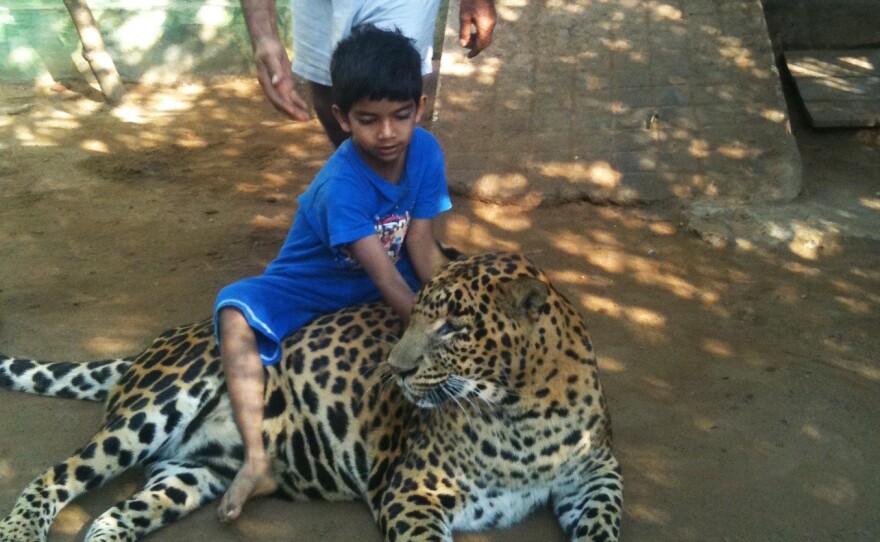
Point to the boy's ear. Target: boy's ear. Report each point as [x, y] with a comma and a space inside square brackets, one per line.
[420, 107]
[342, 119]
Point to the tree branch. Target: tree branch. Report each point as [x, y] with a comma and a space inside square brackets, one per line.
[94, 52]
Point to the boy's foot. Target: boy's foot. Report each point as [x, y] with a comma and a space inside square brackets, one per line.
[249, 482]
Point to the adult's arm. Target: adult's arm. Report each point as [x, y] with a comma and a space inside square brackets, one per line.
[270, 56]
[477, 19]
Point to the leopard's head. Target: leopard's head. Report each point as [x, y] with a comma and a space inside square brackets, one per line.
[473, 327]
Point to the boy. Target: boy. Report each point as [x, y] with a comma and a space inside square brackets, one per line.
[363, 232]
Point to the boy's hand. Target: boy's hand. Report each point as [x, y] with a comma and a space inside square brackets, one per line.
[372, 256]
[276, 78]
[477, 18]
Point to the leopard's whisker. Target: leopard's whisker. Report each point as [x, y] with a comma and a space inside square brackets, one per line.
[378, 380]
[468, 396]
[390, 339]
[453, 382]
[366, 371]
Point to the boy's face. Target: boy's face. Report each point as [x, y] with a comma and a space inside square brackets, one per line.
[381, 131]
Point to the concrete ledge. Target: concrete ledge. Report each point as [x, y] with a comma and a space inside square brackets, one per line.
[619, 102]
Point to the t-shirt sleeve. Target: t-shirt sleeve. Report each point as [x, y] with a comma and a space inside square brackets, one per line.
[433, 197]
[339, 213]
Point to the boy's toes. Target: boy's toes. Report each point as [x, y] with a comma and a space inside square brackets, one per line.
[228, 511]
[245, 485]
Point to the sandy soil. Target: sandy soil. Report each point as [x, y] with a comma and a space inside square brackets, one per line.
[743, 382]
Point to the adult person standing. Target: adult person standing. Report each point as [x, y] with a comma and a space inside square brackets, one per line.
[318, 25]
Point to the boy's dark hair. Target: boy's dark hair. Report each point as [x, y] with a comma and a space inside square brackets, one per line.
[375, 64]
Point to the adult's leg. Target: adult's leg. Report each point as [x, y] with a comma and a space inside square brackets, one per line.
[322, 101]
[243, 370]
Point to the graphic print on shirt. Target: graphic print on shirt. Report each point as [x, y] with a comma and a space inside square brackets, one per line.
[391, 231]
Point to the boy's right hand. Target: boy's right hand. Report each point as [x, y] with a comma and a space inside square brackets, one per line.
[276, 78]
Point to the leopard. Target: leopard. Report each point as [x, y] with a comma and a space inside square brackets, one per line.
[486, 407]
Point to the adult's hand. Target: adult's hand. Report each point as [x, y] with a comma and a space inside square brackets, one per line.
[276, 78]
[477, 18]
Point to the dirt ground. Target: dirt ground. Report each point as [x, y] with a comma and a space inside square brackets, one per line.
[743, 381]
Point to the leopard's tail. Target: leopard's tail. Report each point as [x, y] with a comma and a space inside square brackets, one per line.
[89, 381]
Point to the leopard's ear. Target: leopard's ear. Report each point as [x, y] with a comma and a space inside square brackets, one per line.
[523, 297]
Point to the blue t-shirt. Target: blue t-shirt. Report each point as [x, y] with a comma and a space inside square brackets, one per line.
[347, 201]
[314, 272]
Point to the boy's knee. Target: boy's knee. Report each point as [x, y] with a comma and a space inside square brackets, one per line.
[231, 319]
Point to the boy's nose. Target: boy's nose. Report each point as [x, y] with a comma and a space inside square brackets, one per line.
[386, 129]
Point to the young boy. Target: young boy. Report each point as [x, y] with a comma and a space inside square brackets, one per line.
[363, 232]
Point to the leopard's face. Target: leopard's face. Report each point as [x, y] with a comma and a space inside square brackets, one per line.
[467, 334]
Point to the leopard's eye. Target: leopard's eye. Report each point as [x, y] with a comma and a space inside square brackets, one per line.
[450, 327]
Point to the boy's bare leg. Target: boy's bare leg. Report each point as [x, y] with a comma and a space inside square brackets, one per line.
[244, 378]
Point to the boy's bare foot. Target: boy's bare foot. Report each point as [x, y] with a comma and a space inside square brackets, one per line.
[251, 481]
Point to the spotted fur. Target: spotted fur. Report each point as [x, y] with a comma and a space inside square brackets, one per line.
[487, 407]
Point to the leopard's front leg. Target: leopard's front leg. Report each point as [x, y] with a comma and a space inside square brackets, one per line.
[416, 517]
[590, 504]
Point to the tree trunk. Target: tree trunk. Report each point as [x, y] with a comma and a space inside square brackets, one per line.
[94, 52]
